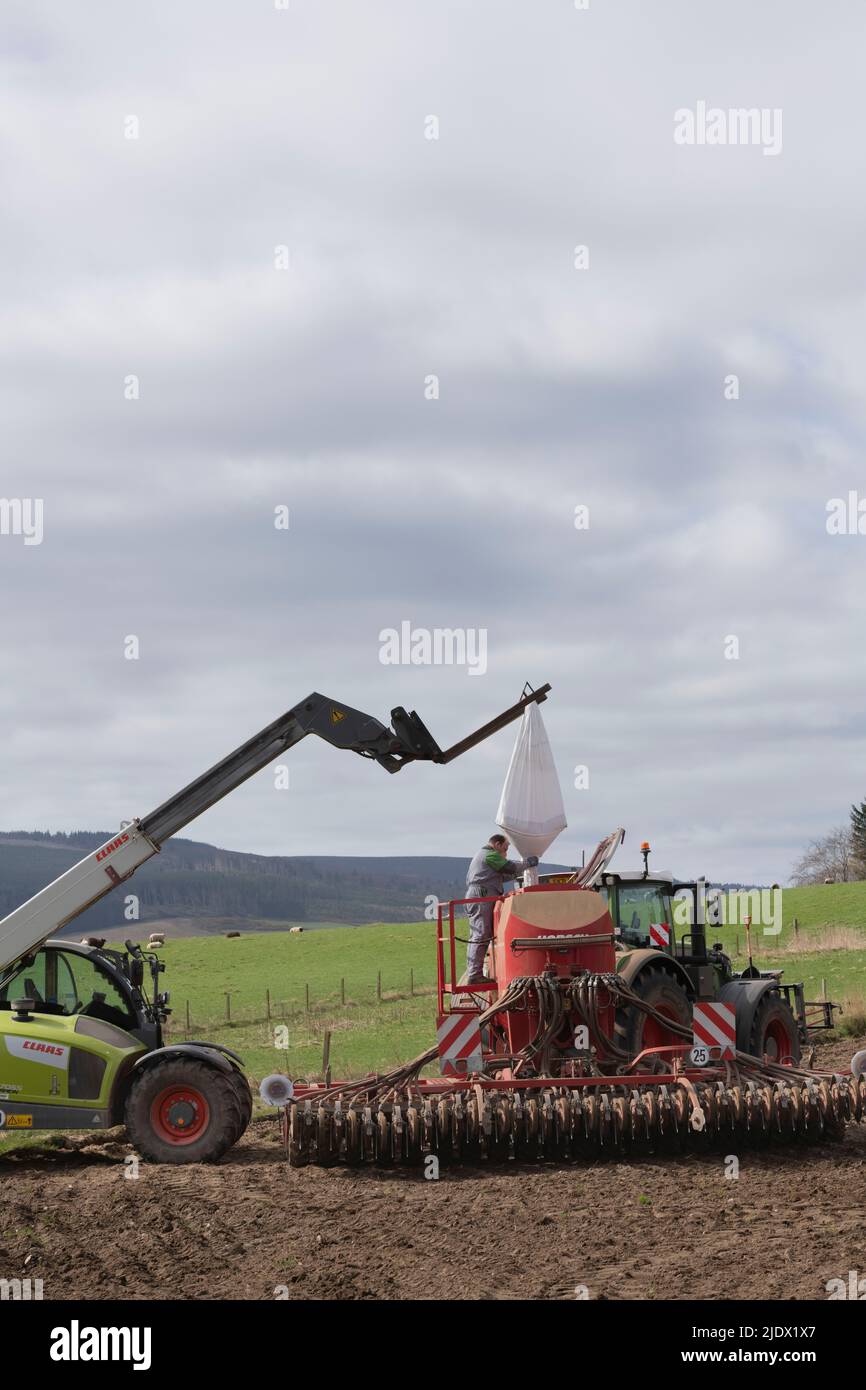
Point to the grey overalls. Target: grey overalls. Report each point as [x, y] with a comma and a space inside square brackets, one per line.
[487, 876]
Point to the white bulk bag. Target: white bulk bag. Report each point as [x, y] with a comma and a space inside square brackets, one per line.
[531, 812]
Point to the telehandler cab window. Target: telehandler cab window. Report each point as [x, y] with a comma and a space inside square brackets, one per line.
[83, 988]
[27, 983]
[61, 982]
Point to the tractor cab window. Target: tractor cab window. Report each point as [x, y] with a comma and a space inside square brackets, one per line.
[62, 982]
[643, 906]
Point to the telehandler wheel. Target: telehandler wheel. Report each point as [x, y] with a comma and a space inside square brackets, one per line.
[183, 1111]
[774, 1031]
[245, 1096]
[636, 1030]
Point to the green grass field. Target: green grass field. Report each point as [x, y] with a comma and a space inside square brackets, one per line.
[822, 943]
[817, 911]
[366, 1033]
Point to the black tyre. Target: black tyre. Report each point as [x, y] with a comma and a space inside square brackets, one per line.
[636, 1030]
[183, 1111]
[774, 1030]
[245, 1097]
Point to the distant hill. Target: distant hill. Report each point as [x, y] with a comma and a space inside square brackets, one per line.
[211, 889]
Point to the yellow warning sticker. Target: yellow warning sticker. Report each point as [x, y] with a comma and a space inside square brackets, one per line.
[19, 1121]
[337, 715]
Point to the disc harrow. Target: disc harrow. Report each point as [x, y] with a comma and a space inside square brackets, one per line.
[607, 1106]
[485, 1123]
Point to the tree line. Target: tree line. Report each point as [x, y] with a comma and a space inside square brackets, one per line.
[839, 856]
[191, 879]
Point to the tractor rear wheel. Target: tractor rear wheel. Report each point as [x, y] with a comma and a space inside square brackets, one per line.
[184, 1111]
[774, 1031]
[636, 1030]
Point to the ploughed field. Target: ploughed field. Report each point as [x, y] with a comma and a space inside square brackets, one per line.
[252, 1228]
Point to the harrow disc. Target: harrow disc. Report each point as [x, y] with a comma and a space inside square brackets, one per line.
[443, 1122]
[354, 1139]
[591, 1133]
[643, 1121]
[326, 1142]
[527, 1129]
[672, 1131]
[726, 1107]
[296, 1137]
[813, 1118]
[838, 1108]
[561, 1129]
[471, 1145]
[784, 1114]
[383, 1140]
[756, 1117]
[620, 1125]
[413, 1136]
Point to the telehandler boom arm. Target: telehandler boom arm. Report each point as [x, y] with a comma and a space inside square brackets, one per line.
[407, 740]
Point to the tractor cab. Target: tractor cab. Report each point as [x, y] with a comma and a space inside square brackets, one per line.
[641, 909]
[641, 905]
[647, 908]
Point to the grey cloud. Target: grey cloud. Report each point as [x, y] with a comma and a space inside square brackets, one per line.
[557, 388]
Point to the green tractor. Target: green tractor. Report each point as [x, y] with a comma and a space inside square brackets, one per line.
[81, 1047]
[673, 973]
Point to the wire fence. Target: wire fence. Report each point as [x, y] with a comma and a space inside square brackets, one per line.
[238, 1011]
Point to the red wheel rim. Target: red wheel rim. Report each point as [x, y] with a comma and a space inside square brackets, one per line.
[777, 1041]
[654, 1034]
[179, 1114]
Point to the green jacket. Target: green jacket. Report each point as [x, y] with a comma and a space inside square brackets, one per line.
[490, 871]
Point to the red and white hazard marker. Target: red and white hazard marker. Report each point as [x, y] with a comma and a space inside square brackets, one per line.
[459, 1040]
[714, 1025]
[660, 935]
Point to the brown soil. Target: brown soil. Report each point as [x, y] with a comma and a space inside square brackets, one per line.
[653, 1229]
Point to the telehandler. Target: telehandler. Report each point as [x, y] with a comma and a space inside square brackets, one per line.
[81, 1038]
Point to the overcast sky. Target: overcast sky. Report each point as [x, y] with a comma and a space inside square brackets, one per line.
[157, 257]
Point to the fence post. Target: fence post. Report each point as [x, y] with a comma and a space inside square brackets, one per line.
[228, 1007]
[307, 995]
[411, 981]
[187, 1017]
[268, 1003]
[342, 991]
[326, 1057]
[379, 986]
